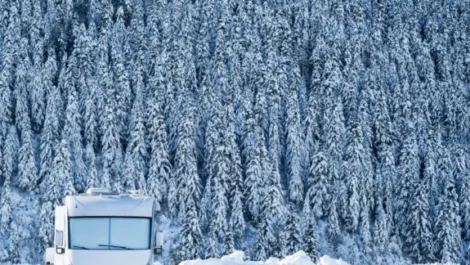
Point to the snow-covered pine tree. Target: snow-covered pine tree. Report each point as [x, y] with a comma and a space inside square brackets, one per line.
[463, 182]
[467, 256]
[235, 193]
[46, 224]
[6, 217]
[418, 237]
[318, 194]
[92, 180]
[186, 175]
[5, 102]
[353, 171]
[292, 228]
[253, 148]
[271, 214]
[310, 241]
[112, 153]
[229, 244]
[72, 132]
[27, 175]
[381, 231]
[465, 205]
[62, 170]
[159, 172]
[294, 141]
[191, 236]
[14, 245]
[40, 79]
[218, 223]
[10, 153]
[104, 82]
[49, 136]
[279, 249]
[122, 85]
[273, 203]
[334, 229]
[136, 154]
[334, 185]
[448, 220]
[409, 172]
[90, 114]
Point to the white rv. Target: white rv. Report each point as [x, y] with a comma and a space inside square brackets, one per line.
[100, 227]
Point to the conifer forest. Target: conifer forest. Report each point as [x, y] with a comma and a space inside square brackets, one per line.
[337, 127]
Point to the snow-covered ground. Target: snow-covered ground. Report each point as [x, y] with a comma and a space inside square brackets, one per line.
[237, 258]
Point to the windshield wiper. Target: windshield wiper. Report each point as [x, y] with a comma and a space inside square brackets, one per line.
[80, 247]
[114, 246]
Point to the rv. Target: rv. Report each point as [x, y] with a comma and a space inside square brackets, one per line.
[100, 227]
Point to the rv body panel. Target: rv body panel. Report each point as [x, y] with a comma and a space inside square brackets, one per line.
[50, 256]
[114, 257]
[109, 206]
[60, 225]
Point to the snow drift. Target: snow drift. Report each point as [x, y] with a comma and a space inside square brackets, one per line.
[237, 257]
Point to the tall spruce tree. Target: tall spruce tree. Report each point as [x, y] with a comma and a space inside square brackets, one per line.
[448, 220]
[292, 228]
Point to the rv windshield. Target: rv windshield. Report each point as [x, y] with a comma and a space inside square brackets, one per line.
[109, 233]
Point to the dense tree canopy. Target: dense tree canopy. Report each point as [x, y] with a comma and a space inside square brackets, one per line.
[354, 113]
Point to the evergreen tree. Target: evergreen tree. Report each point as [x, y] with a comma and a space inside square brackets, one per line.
[254, 147]
[229, 245]
[292, 228]
[334, 230]
[6, 218]
[448, 221]
[294, 143]
[62, 170]
[271, 214]
[187, 178]
[160, 168]
[191, 235]
[218, 223]
[280, 246]
[136, 155]
[10, 154]
[93, 180]
[14, 244]
[419, 237]
[46, 223]
[310, 242]
[353, 171]
[122, 94]
[72, 130]
[90, 115]
[112, 153]
[409, 172]
[27, 176]
[465, 205]
[49, 136]
[318, 191]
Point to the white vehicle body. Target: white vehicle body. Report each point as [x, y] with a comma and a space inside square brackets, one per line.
[98, 228]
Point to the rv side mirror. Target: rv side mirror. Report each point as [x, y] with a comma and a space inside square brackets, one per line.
[158, 243]
[59, 242]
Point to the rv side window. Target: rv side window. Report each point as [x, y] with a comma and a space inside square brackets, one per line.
[109, 233]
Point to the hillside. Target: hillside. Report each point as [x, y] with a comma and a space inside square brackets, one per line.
[336, 127]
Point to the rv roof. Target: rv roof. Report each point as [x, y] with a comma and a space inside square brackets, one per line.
[109, 205]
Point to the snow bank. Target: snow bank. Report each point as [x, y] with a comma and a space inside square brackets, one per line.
[438, 264]
[236, 258]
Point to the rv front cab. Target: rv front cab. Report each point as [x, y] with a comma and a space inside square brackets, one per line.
[101, 227]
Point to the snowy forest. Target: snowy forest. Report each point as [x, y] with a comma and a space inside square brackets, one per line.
[337, 127]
